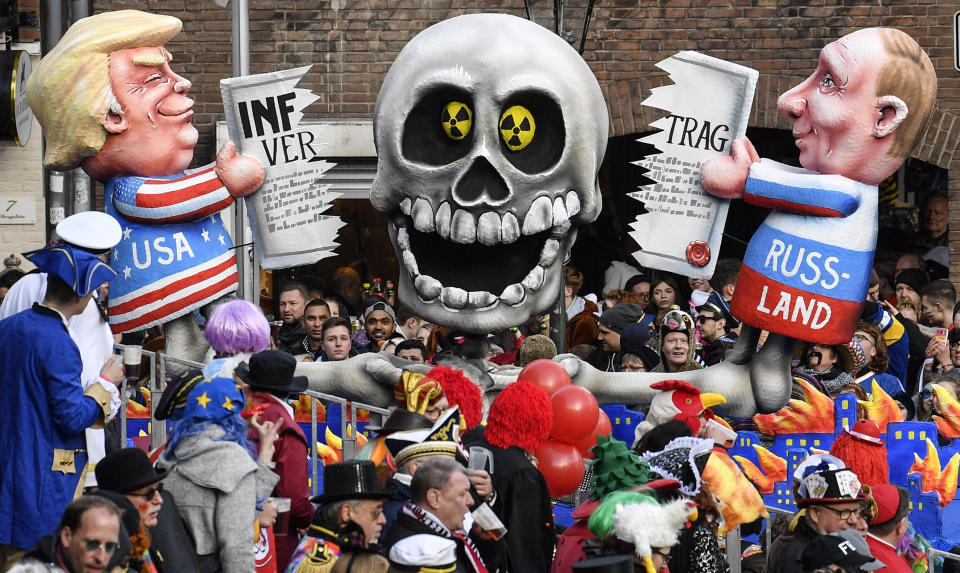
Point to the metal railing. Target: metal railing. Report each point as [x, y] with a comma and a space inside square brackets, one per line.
[932, 554]
[157, 383]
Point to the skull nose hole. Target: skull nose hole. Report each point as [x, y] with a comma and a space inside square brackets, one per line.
[481, 184]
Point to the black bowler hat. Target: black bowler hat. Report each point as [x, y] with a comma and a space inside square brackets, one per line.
[605, 564]
[352, 479]
[175, 395]
[127, 470]
[400, 420]
[272, 370]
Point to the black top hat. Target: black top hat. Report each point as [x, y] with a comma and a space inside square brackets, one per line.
[352, 479]
[605, 564]
[175, 395]
[127, 470]
[401, 419]
[272, 370]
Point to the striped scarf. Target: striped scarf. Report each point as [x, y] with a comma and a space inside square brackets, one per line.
[464, 541]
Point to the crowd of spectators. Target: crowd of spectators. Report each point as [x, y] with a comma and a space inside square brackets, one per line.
[236, 459]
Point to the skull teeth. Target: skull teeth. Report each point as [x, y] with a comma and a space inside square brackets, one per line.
[488, 229]
[546, 212]
[422, 216]
[492, 228]
[510, 231]
[539, 217]
[444, 217]
[429, 289]
[463, 228]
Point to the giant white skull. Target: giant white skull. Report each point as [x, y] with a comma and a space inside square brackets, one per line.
[490, 130]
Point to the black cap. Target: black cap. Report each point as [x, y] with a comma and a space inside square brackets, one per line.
[846, 548]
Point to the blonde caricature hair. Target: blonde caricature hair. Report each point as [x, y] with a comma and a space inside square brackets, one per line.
[909, 75]
[70, 91]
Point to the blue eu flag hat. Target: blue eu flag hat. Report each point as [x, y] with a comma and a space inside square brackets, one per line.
[214, 399]
[82, 270]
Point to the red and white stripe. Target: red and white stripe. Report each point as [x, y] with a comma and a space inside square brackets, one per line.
[174, 295]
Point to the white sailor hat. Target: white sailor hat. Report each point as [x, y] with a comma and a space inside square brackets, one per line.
[424, 552]
[90, 230]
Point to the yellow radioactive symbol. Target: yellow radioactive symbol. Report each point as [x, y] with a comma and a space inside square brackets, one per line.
[517, 127]
[456, 119]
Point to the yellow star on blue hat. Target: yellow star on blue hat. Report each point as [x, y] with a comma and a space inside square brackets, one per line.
[228, 404]
[203, 400]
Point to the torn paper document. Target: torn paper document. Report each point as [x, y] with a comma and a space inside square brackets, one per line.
[263, 114]
[709, 105]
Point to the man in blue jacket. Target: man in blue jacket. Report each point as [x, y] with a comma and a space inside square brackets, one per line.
[45, 409]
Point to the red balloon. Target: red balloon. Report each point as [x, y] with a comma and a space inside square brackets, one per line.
[562, 467]
[546, 374]
[575, 413]
[603, 428]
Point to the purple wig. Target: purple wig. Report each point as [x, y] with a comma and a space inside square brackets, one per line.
[237, 326]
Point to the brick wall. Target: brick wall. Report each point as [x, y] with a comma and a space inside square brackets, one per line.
[352, 43]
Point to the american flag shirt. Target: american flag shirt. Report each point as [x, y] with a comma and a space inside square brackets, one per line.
[175, 254]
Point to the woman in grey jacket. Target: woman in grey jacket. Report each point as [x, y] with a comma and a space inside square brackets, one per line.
[219, 484]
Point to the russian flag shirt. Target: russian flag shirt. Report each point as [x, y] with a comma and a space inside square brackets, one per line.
[807, 269]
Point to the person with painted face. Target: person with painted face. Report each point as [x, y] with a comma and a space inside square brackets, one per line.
[829, 364]
[159, 541]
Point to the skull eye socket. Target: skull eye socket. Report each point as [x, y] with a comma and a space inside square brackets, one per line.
[457, 119]
[430, 142]
[532, 132]
[517, 127]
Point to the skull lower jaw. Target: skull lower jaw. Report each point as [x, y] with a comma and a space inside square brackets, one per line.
[479, 289]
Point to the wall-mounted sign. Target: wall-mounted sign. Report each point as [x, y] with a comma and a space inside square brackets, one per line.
[16, 117]
[956, 41]
[16, 210]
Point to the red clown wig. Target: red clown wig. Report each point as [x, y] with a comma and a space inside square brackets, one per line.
[460, 391]
[863, 451]
[520, 416]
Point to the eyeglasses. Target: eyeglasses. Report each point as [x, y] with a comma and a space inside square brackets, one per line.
[864, 338]
[665, 556]
[845, 514]
[94, 545]
[701, 318]
[150, 492]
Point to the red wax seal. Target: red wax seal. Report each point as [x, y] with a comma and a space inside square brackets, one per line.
[698, 253]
